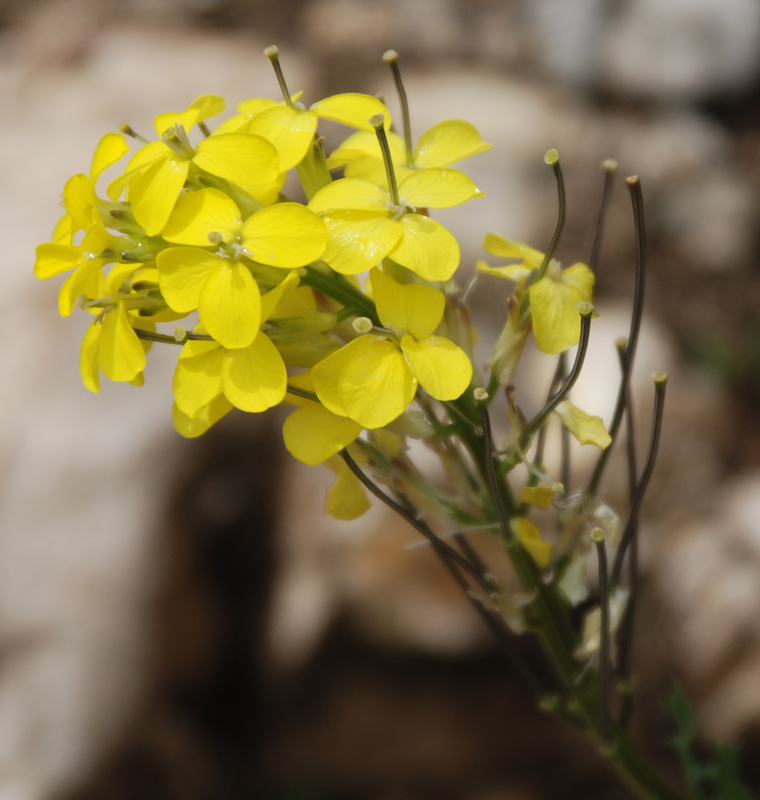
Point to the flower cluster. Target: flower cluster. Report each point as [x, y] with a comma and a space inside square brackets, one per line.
[339, 301]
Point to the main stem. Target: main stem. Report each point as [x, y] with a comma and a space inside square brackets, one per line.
[550, 622]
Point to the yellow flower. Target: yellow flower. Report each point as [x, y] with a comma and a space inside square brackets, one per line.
[554, 306]
[374, 378]
[553, 298]
[110, 343]
[291, 127]
[158, 171]
[86, 260]
[437, 148]
[364, 226]
[221, 285]
[252, 378]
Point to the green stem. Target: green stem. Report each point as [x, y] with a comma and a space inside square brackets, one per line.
[334, 285]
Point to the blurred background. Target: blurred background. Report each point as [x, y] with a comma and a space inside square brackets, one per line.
[178, 619]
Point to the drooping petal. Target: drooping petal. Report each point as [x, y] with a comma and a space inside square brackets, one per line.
[285, 235]
[121, 354]
[346, 498]
[358, 240]
[443, 369]
[426, 248]
[197, 380]
[230, 305]
[529, 537]
[352, 109]
[312, 433]
[88, 358]
[367, 380]
[242, 158]
[412, 308]
[437, 188]
[182, 272]
[254, 379]
[192, 427]
[587, 428]
[447, 142]
[290, 130]
[197, 214]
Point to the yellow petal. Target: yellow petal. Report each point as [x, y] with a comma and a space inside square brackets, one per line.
[530, 538]
[193, 427]
[352, 109]
[254, 379]
[346, 498]
[586, 428]
[154, 191]
[242, 158]
[437, 188]
[120, 353]
[197, 214]
[110, 149]
[182, 272]
[443, 369]
[538, 496]
[285, 235]
[53, 259]
[312, 434]
[197, 380]
[230, 304]
[88, 358]
[359, 240]
[271, 300]
[367, 380]
[203, 107]
[85, 280]
[426, 248]
[290, 130]
[519, 273]
[362, 144]
[350, 194]
[79, 200]
[412, 308]
[553, 303]
[504, 248]
[447, 142]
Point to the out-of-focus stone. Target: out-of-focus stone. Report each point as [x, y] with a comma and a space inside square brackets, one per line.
[679, 50]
